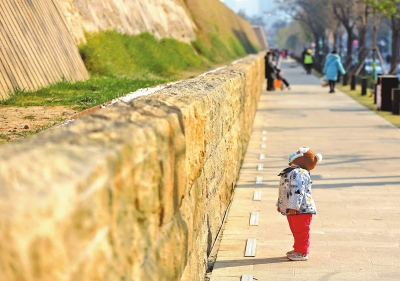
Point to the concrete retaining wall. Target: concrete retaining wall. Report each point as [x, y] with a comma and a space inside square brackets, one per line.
[136, 191]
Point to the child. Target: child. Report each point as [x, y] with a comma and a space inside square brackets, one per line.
[280, 77]
[295, 200]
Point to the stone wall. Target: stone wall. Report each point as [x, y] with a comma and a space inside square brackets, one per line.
[136, 191]
[163, 18]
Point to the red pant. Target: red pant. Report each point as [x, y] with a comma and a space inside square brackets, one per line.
[300, 227]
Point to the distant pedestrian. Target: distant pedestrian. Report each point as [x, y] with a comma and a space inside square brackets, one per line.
[303, 54]
[332, 66]
[308, 61]
[283, 54]
[269, 71]
[279, 75]
[295, 200]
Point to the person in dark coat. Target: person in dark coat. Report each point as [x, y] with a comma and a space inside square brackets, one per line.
[269, 71]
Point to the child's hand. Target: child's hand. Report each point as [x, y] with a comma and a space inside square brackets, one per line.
[291, 212]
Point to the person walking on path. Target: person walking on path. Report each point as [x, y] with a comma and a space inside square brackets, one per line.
[332, 65]
[308, 61]
[280, 77]
[295, 200]
[269, 71]
[303, 54]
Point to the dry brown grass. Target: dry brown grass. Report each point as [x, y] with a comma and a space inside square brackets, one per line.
[368, 101]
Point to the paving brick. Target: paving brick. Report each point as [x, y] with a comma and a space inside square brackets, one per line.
[356, 233]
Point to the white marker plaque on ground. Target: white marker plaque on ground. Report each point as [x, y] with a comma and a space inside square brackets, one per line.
[251, 247]
[264, 132]
[246, 278]
[259, 180]
[254, 218]
[263, 146]
[264, 138]
[257, 195]
[260, 167]
[262, 156]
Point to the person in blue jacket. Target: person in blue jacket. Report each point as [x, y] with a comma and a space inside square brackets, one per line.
[332, 65]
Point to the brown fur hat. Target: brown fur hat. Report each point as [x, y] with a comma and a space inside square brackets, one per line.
[305, 158]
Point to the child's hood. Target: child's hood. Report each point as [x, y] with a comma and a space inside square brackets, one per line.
[332, 57]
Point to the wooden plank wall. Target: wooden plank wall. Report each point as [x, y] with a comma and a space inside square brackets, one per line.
[36, 48]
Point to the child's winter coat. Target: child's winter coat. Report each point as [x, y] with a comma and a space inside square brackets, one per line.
[332, 66]
[295, 191]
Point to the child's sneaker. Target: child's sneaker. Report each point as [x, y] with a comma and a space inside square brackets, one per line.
[290, 252]
[297, 257]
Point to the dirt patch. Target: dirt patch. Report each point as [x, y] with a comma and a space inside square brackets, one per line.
[20, 122]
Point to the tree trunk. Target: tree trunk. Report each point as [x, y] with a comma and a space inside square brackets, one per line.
[362, 32]
[340, 51]
[395, 44]
[317, 48]
[335, 39]
[349, 47]
[325, 49]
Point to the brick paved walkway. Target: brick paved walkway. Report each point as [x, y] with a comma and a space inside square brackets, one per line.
[356, 233]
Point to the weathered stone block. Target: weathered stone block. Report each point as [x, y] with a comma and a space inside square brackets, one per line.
[136, 191]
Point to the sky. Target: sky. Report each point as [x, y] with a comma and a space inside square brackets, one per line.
[255, 7]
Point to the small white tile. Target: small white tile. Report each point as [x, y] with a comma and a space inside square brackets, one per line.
[257, 195]
[251, 246]
[254, 216]
[246, 278]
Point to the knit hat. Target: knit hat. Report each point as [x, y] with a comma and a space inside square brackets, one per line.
[305, 158]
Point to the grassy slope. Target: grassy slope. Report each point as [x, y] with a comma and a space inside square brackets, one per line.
[120, 63]
[223, 33]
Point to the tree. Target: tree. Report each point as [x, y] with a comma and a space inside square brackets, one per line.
[279, 24]
[362, 13]
[391, 9]
[313, 13]
[293, 37]
[335, 29]
[344, 12]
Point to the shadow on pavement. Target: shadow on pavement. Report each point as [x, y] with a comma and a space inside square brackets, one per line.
[234, 263]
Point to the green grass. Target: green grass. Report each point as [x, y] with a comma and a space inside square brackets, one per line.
[80, 95]
[119, 64]
[368, 101]
[112, 54]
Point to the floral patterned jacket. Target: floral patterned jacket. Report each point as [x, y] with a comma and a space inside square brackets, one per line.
[295, 191]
